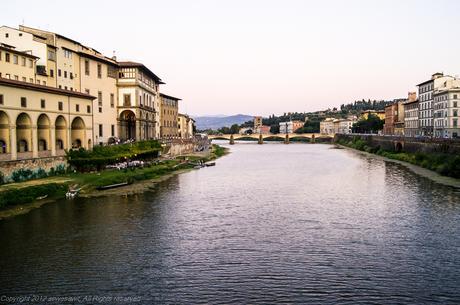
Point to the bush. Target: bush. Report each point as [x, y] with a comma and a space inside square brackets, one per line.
[101, 156]
[29, 194]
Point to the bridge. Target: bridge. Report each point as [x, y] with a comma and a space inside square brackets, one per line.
[280, 137]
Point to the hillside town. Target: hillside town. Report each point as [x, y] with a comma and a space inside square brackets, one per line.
[432, 113]
[57, 94]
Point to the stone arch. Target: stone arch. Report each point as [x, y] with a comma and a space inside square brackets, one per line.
[77, 132]
[23, 133]
[43, 132]
[399, 147]
[127, 125]
[61, 133]
[5, 135]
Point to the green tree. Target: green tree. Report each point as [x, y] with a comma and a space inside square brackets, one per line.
[371, 125]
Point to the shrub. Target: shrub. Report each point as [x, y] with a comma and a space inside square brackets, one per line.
[29, 194]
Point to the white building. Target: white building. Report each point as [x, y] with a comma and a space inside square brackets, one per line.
[286, 127]
[446, 113]
[425, 91]
[327, 126]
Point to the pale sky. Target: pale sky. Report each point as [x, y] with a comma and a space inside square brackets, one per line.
[260, 56]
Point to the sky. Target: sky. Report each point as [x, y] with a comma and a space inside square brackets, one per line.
[263, 57]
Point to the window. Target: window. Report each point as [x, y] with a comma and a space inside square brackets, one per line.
[455, 96]
[113, 130]
[60, 106]
[31, 63]
[67, 53]
[71, 75]
[1, 99]
[77, 108]
[455, 113]
[65, 74]
[42, 103]
[87, 91]
[51, 73]
[16, 77]
[0, 55]
[88, 109]
[24, 79]
[454, 104]
[31, 80]
[112, 100]
[99, 71]
[51, 55]
[7, 57]
[23, 61]
[100, 130]
[126, 99]
[86, 67]
[455, 122]
[99, 100]
[23, 102]
[44, 83]
[15, 59]
[59, 72]
[6, 35]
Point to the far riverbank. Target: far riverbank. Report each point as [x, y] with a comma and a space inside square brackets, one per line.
[426, 173]
[25, 196]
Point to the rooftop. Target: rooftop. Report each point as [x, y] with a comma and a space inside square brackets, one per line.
[36, 87]
[132, 64]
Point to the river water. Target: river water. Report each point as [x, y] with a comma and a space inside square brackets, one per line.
[270, 223]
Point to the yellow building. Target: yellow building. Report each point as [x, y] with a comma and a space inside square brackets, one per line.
[169, 113]
[379, 114]
[138, 102]
[77, 67]
[16, 65]
[40, 121]
[185, 126]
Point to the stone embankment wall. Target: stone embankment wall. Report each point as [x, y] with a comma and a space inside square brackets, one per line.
[8, 167]
[403, 144]
[180, 147]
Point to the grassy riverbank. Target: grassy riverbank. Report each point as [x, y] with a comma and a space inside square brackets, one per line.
[16, 198]
[444, 164]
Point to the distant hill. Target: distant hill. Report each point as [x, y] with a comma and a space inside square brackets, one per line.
[216, 122]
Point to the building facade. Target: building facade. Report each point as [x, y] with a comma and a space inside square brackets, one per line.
[138, 102]
[169, 112]
[425, 92]
[185, 126]
[40, 121]
[326, 126]
[411, 119]
[446, 112]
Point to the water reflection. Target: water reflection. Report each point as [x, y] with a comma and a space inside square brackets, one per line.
[270, 223]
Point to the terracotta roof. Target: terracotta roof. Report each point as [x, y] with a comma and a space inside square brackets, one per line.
[36, 87]
[132, 64]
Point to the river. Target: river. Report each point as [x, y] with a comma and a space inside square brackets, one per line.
[272, 223]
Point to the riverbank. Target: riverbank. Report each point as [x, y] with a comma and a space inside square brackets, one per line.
[426, 173]
[20, 198]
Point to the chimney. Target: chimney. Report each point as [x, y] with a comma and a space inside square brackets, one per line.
[412, 96]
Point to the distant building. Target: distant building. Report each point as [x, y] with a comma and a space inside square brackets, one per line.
[257, 122]
[264, 129]
[168, 115]
[184, 126]
[290, 126]
[326, 126]
[446, 109]
[425, 92]
[246, 130]
[379, 114]
[411, 121]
